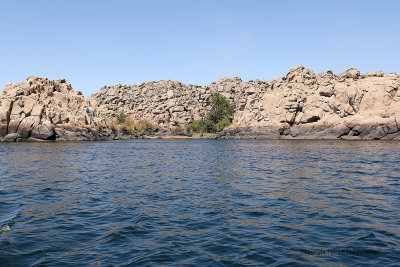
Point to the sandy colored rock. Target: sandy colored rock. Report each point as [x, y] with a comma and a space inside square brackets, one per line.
[33, 109]
[300, 105]
[305, 104]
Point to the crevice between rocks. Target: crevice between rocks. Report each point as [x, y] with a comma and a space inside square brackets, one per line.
[9, 114]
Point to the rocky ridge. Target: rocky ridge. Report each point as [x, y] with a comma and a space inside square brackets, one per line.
[169, 104]
[300, 105]
[42, 109]
[306, 105]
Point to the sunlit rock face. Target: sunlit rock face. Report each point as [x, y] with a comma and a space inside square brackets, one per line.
[348, 105]
[42, 109]
[302, 104]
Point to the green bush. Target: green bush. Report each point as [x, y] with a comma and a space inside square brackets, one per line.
[222, 124]
[219, 117]
[196, 126]
[203, 126]
[121, 118]
[145, 127]
[130, 129]
[221, 108]
[126, 124]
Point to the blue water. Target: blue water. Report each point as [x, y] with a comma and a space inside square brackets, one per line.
[200, 203]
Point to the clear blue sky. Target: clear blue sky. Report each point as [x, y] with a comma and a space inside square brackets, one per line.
[92, 43]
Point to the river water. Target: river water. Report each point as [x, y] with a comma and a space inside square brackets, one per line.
[200, 203]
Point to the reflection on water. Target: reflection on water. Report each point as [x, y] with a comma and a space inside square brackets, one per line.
[205, 202]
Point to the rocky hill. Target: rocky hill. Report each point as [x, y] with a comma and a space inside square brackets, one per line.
[42, 109]
[171, 103]
[302, 104]
[349, 105]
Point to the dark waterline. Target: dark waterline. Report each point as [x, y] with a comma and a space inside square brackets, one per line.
[200, 203]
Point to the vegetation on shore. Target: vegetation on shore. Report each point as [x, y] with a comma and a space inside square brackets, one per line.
[127, 124]
[218, 118]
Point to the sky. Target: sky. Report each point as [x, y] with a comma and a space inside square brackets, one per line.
[96, 43]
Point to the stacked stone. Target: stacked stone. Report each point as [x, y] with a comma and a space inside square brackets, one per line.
[43, 109]
[302, 104]
[171, 103]
[349, 105]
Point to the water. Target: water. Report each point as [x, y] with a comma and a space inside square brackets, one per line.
[200, 203]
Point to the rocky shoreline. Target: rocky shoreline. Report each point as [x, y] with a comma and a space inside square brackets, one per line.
[301, 105]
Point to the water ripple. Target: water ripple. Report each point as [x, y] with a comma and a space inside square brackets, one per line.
[205, 202]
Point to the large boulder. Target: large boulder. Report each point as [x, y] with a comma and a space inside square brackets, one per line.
[44, 131]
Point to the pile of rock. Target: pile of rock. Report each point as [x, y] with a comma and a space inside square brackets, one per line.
[302, 104]
[170, 104]
[165, 103]
[42, 109]
[305, 105]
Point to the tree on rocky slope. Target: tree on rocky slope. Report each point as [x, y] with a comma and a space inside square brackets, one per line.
[219, 117]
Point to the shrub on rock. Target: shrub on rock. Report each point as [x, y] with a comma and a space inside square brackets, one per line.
[219, 117]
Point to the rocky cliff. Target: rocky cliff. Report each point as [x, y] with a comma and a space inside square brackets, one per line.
[171, 103]
[42, 109]
[302, 104]
[349, 105]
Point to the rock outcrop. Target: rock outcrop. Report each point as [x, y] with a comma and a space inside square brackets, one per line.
[42, 109]
[349, 105]
[169, 104]
[300, 105]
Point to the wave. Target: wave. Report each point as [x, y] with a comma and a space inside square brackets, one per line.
[8, 214]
